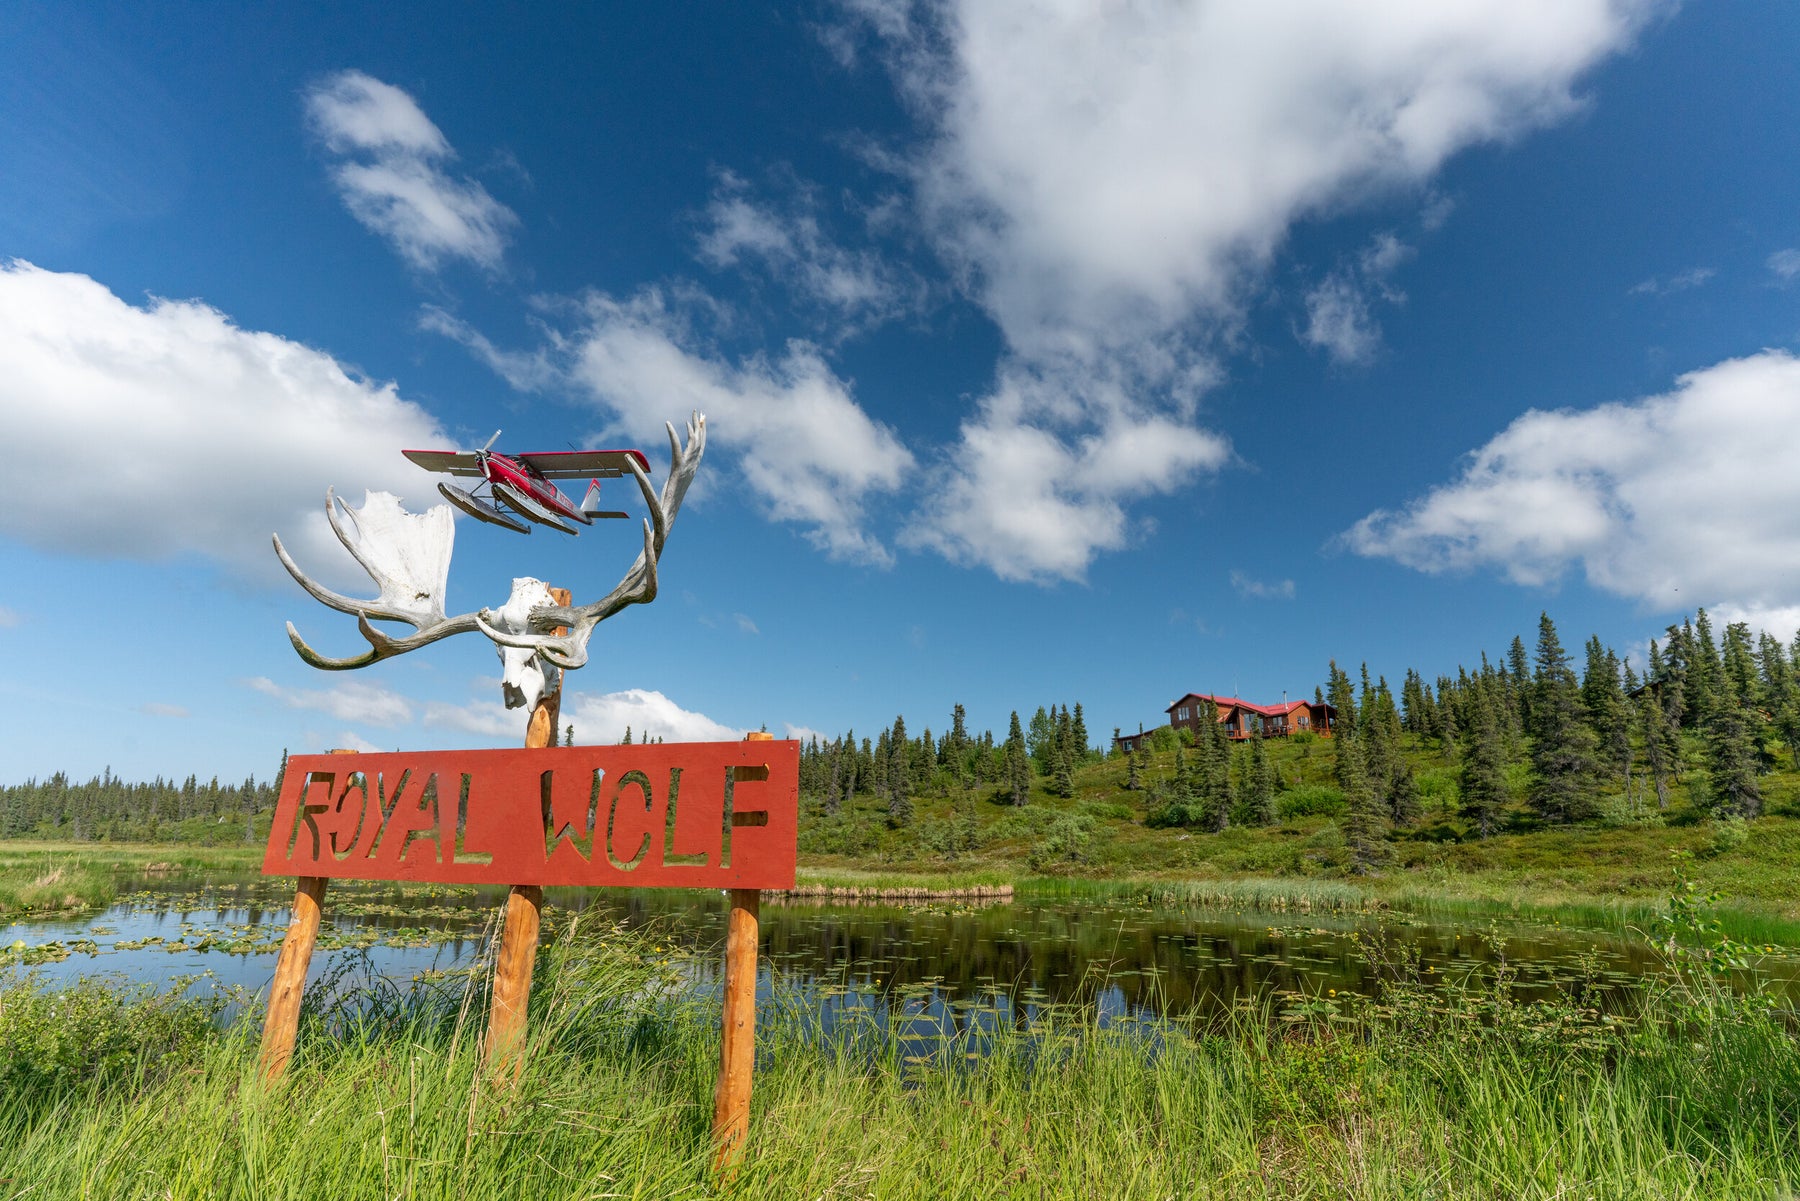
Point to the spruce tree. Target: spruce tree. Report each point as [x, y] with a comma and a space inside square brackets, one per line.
[1732, 764]
[1662, 747]
[1562, 749]
[1018, 763]
[1365, 826]
[1259, 796]
[899, 775]
[1739, 675]
[1064, 776]
[1041, 741]
[1482, 783]
[1080, 730]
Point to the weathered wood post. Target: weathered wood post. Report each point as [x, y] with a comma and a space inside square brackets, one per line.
[737, 1045]
[504, 1046]
[282, 1022]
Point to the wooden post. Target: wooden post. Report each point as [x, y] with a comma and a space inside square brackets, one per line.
[503, 1048]
[737, 1045]
[282, 1022]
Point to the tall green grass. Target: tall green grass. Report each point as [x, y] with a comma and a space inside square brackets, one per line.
[59, 877]
[1423, 1092]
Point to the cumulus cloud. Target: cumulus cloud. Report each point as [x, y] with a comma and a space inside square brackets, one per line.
[205, 437]
[1679, 499]
[1251, 588]
[488, 718]
[353, 700]
[603, 717]
[1032, 505]
[390, 174]
[598, 718]
[1785, 264]
[1115, 167]
[1111, 180]
[809, 453]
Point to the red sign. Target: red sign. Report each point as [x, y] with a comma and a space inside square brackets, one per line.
[666, 815]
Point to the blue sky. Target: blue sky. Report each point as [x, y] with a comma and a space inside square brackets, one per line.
[1049, 353]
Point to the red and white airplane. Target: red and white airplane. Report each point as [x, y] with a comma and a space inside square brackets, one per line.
[521, 483]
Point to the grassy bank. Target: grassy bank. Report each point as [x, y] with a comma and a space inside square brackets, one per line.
[57, 877]
[1421, 1093]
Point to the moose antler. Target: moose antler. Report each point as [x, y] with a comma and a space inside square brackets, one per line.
[569, 651]
[408, 557]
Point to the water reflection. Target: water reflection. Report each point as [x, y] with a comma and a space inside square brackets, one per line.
[957, 971]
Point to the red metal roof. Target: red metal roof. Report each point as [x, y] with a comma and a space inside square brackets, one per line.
[1239, 703]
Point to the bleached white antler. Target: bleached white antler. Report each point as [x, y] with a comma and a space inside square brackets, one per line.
[569, 651]
[408, 557]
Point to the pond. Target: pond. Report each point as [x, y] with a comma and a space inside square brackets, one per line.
[939, 963]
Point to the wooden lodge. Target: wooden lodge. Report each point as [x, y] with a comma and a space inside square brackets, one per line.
[1242, 719]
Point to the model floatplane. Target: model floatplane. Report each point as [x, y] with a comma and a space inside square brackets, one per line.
[518, 486]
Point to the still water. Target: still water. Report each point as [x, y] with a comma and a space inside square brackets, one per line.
[1123, 958]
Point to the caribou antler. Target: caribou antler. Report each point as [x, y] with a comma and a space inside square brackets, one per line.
[408, 557]
[569, 651]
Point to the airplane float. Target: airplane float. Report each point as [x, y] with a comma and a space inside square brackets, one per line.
[519, 486]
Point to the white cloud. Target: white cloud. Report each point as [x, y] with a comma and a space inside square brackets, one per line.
[1691, 278]
[806, 733]
[1681, 499]
[1030, 504]
[745, 624]
[857, 287]
[350, 740]
[603, 717]
[1340, 318]
[353, 700]
[9, 618]
[489, 718]
[1782, 621]
[200, 437]
[1251, 588]
[1785, 264]
[390, 174]
[162, 709]
[598, 718]
[808, 452]
[1107, 170]
[527, 371]
[1111, 181]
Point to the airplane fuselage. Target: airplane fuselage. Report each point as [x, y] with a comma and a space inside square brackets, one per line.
[498, 469]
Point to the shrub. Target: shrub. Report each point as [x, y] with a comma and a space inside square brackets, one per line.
[1064, 842]
[95, 1030]
[1312, 800]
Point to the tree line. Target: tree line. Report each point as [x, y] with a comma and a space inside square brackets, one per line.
[1607, 732]
[107, 808]
[894, 767]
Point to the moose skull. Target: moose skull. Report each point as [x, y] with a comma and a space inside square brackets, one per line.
[525, 676]
[407, 555]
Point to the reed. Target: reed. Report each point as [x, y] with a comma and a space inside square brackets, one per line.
[1418, 1093]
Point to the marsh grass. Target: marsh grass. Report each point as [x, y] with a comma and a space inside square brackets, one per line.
[1421, 1091]
[60, 877]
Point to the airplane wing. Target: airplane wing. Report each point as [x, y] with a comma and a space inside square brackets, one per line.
[452, 461]
[579, 464]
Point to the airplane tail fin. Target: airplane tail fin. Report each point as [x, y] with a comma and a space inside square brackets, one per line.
[590, 503]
